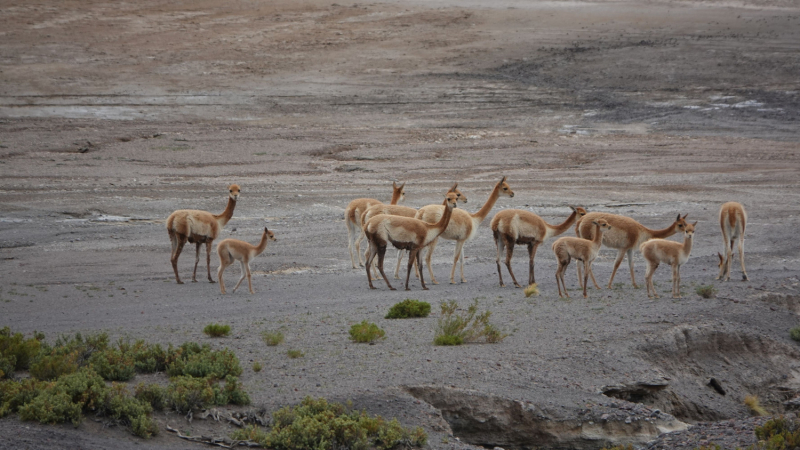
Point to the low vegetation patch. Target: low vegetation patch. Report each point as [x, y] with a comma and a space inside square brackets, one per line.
[272, 338]
[453, 328]
[294, 354]
[532, 289]
[366, 332]
[409, 308]
[706, 291]
[778, 434]
[751, 401]
[795, 333]
[217, 330]
[323, 425]
[256, 367]
[69, 379]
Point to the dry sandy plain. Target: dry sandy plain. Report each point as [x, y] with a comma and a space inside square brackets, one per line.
[115, 113]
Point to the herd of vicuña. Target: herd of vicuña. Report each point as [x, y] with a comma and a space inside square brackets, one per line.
[414, 230]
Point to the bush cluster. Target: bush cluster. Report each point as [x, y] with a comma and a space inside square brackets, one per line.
[272, 338]
[409, 308]
[217, 330]
[706, 291]
[69, 379]
[366, 332]
[453, 328]
[319, 424]
[794, 333]
[778, 434]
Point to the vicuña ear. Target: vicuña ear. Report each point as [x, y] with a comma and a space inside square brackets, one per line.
[572, 208]
[394, 184]
[455, 185]
[695, 223]
[402, 185]
[684, 216]
[503, 180]
[266, 230]
[595, 222]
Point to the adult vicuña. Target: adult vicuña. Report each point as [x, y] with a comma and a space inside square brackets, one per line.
[405, 233]
[352, 220]
[732, 220]
[198, 227]
[626, 235]
[230, 250]
[567, 248]
[517, 226]
[463, 227]
[657, 251]
[405, 211]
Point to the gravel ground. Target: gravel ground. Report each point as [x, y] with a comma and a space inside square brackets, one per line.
[115, 114]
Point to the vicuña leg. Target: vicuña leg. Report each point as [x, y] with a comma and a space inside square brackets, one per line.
[196, 262]
[630, 264]
[178, 248]
[429, 257]
[532, 246]
[499, 243]
[225, 260]
[676, 281]
[456, 256]
[741, 258]
[208, 261]
[381, 254]
[617, 262]
[648, 278]
[509, 254]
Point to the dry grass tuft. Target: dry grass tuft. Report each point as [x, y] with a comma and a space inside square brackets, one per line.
[532, 289]
[751, 401]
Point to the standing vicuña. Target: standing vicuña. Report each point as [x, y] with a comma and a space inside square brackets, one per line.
[656, 251]
[352, 220]
[198, 227]
[517, 226]
[463, 227]
[732, 220]
[405, 211]
[405, 233]
[627, 235]
[230, 250]
[585, 250]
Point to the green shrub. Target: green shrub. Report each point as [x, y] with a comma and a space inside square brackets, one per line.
[201, 362]
[14, 394]
[795, 333]
[51, 407]
[455, 329]
[113, 364]
[232, 393]
[409, 308]
[147, 358]
[706, 291]
[272, 338]
[366, 332]
[778, 434]
[294, 354]
[7, 366]
[256, 367]
[186, 393]
[50, 367]
[217, 330]
[448, 339]
[123, 409]
[83, 348]
[153, 394]
[318, 424]
[17, 351]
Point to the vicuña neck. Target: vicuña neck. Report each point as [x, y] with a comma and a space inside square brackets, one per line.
[487, 207]
[687, 244]
[263, 244]
[226, 215]
[661, 234]
[558, 229]
[448, 212]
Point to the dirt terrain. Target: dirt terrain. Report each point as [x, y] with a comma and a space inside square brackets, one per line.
[114, 114]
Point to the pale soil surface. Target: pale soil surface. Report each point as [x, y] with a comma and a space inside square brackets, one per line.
[114, 114]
